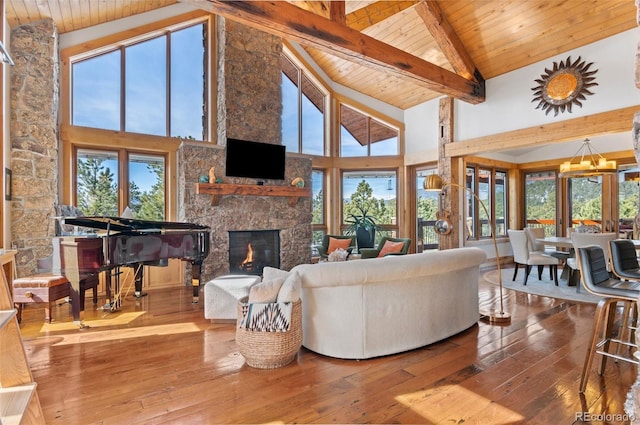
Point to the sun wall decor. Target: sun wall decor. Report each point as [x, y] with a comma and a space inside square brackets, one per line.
[565, 85]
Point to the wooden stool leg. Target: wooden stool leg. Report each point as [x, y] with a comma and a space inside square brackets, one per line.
[601, 311]
[19, 307]
[607, 334]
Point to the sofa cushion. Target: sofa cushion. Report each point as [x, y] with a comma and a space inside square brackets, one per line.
[335, 243]
[390, 247]
[265, 291]
[291, 288]
[269, 273]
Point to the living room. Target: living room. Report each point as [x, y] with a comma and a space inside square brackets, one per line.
[485, 143]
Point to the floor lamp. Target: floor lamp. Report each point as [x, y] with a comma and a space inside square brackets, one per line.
[434, 182]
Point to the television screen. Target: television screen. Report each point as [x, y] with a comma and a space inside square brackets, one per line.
[255, 160]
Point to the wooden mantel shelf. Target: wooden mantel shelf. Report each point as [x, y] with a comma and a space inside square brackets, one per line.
[219, 189]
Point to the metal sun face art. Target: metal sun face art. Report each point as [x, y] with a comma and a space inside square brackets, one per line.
[565, 85]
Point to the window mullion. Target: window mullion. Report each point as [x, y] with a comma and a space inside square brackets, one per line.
[123, 88]
[168, 84]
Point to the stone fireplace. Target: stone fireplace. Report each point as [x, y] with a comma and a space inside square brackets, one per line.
[240, 213]
[250, 251]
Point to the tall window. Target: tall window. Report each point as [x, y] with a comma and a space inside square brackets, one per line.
[490, 186]
[116, 90]
[98, 178]
[318, 222]
[628, 199]
[363, 135]
[373, 191]
[303, 111]
[540, 200]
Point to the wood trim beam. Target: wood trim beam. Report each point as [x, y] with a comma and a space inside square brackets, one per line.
[289, 21]
[610, 122]
[337, 12]
[448, 41]
[374, 13]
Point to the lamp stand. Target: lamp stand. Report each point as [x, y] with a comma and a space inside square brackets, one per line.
[492, 315]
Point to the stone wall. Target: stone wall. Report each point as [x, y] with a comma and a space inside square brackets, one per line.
[249, 107]
[243, 212]
[34, 140]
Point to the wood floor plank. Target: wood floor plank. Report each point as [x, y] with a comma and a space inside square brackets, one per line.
[158, 361]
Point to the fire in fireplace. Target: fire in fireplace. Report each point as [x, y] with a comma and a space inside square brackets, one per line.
[250, 251]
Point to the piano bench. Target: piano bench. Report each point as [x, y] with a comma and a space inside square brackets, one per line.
[221, 296]
[40, 288]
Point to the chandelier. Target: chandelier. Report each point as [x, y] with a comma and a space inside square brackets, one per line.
[590, 163]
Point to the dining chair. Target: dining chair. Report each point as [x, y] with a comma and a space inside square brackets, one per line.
[624, 259]
[522, 255]
[534, 234]
[605, 336]
[579, 240]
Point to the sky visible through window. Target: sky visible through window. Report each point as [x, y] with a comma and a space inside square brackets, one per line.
[96, 86]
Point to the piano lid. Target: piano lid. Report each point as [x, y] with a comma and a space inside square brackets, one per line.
[130, 225]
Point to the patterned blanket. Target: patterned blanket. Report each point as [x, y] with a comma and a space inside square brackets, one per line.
[266, 317]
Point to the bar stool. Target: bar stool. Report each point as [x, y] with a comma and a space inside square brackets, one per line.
[596, 280]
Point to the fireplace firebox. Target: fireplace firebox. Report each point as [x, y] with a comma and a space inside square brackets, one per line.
[250, 251]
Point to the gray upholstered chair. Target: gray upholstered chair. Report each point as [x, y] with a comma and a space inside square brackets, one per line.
[604, 341]
[580, 240]
[522, 255]
[326, 247]
[624, 259]
[376, 252]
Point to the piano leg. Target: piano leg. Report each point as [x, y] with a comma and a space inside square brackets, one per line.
[72, 273]
[196, 270]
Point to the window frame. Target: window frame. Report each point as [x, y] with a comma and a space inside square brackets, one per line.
[476, 208]
[73, 137]
[122, 48]
[304, 71]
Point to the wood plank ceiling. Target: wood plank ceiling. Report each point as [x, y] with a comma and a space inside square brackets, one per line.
[447, 39]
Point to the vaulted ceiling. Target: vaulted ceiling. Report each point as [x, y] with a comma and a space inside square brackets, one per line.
[401, 52]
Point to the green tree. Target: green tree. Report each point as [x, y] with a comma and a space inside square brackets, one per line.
[317, 204]
[362, 202]
[151, 206]
[97, 190]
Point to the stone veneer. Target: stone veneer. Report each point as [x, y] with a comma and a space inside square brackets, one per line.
[243, 212]
[34, 140]
[249, 107]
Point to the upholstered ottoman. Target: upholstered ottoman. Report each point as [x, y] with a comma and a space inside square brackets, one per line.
[41, 288]
[221, 295]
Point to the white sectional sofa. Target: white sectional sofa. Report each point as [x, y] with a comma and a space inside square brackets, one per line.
[367, 308]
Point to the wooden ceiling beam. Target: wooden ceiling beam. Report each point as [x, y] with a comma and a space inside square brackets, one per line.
[617, 121]
[337, 12]
[449, 42]
[307, 28]
[374, 13]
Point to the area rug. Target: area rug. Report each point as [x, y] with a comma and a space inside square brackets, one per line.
[545, 287]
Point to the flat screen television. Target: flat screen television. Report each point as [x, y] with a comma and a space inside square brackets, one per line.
[255, 160]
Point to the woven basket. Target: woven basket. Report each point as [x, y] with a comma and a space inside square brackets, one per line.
[269, 350]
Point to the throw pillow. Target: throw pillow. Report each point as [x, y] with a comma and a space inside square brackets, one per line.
[390, 247]
[291, 288]
[335, 243]
[269, 273]
[265, 291]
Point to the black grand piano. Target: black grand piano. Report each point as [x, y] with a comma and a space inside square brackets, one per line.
[116, 242]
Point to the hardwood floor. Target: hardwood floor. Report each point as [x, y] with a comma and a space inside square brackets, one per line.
[158, 361]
